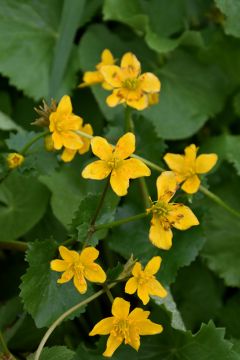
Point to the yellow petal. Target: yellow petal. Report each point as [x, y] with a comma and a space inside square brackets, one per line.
[153, 265]
[101, 148]
[138, 314]
[166, 186]
[159, 235]
[156, 289]
[125, 146]
[113, 343]
[120, 308]
[175, 162]
[88, 255]
[97, 170]
[181, 217]
[131, 64]
[137, 269]
[149, 83]
[143, 293]
[80, 283]
[134, 339]
[140, 104]
[119, 181]
[91, 78]
[68, 155]
[205, 163]
[103, 327]
[87, 128]
[113, 99]
[147, 327]
[66, 276]
[112, 74]
[153, 99]
[71, 140]
[68, 255]
[94, 273]
[131, 286]
[59, 265]
[106, 86]
[191, 185]
[135, 168]
[191, 153]
[65, 105]
[57, 141]
[107, 57]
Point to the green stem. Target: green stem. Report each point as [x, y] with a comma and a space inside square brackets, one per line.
[32, 141]
[120, 222]
[4, 345]
[95, 216]
[108, 292]
[129, 126]
[14, 245]
[64, 316]
[145, 193]
[219, 201]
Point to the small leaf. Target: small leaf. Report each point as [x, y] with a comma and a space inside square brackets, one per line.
[55, 353]
[23, 201]
[231, 9]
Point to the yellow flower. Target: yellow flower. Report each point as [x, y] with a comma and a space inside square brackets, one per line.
[68, 154]
[114, 162]
[14, 160]
[129, 86]
[125, 326]
[63, 124]
[144, 281]
[79, 267]
[166, 215]
[95, 77]
[188, 166]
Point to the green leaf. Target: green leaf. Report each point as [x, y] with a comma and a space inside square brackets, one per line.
[231, 9]
[23, 201]
[187, 77]
[35, 26]
[68, 189]
[198, 294]
[70, 19]
[9, 312]
[43, 298]
[221, 250]
[229, 315]
[133, 239]
[55, 353]
[6, 123]
[82, 221]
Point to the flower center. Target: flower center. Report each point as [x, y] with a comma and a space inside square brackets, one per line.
[114, 163]
[160, 208]
[78, 268]
[121, 329]
[131, 84]
[144, 278]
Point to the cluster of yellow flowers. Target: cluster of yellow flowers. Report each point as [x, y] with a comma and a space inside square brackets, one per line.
[120, 164]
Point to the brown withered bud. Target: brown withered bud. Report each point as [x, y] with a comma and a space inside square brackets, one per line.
[127, 269]
[44, 111]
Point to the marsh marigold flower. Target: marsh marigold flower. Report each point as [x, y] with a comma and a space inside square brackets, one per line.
[144, 281]
[115, 162]
[14, 160]
[166, 214]
[129, 86]
[125, 326]
[187, 167]
[79, 267]
[95, 77]
[63, 126]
